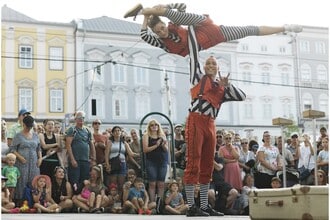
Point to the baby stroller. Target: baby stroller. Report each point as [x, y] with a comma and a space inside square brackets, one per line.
[292, 176]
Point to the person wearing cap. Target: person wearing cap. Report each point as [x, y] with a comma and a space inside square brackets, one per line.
[81, 151]
[294, 148]
[26, 146]
[18, 126]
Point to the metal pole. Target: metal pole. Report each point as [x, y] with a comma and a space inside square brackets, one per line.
[315, 152]
[283, 156]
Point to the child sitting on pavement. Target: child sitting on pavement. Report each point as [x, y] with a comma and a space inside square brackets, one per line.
[174, 203]
[138, 198]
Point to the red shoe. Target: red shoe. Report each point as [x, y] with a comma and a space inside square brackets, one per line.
[148, 212]
[140, 211]
[15, 210]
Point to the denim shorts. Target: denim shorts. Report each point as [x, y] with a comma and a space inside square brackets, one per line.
[156, 171]
[122, 171]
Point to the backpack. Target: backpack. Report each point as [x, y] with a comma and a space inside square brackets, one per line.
[27, 195]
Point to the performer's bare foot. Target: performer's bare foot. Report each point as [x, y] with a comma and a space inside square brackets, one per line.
[133, 12]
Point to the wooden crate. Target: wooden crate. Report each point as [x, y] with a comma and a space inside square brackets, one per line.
[282, 121]
[313, 114]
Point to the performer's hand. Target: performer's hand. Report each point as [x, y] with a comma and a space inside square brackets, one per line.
[224, 81]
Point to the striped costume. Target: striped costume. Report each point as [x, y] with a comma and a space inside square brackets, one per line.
[200, 127]
[207, 33]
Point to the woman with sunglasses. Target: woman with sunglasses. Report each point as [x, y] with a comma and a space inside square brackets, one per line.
[155, 147]
[62, 190]
[230, 153]
[246, 158]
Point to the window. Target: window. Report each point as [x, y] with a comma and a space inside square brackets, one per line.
[263, 48]
[322, 75]
[246, 77]
[93, 107]
[323, 103]
[248, 110]
[142, 105]
[245, 47]
[96, 72]
[119, 107]
[286, 109]
[307, 106]
[306, 73]
[25, 57]
[265, 78]
[320, 47]
[285, 78]
[282, 50]
[141, 76]
[56, 58]
[267, 107]
[25, 98]
[119, 74]
[304, 46]
[56, 100]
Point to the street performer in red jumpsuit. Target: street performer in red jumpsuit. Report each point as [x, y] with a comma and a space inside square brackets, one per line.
[207, 93]
[174, 38]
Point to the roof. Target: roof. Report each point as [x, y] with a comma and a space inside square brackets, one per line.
[113, 25]
[102, 24]
[8, 14]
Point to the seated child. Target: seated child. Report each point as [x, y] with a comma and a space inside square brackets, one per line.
[92, 198]
[174, 203]
[41, 193]
[6, 205]
[114, 199]
[138, 198]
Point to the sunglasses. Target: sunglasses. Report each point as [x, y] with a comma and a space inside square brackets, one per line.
[80, 117]
[151, 125]
[321, 176]
[244, 142]
[228, 138]
[96, 123]
[219, 136]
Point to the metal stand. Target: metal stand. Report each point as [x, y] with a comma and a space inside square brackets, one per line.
[313, 114]
[283, 122]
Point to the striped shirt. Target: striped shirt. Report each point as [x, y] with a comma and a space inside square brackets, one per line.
[231, 93]
[178, 17]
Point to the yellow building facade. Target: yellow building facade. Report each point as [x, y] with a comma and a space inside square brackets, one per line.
[37, 67]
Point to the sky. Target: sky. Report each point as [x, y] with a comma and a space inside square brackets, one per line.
[229, 12]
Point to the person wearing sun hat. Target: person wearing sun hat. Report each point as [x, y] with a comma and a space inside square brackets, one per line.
[42, 195]
[18, 126]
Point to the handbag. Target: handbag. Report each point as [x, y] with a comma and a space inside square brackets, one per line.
[305, 172]
[115, 162]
